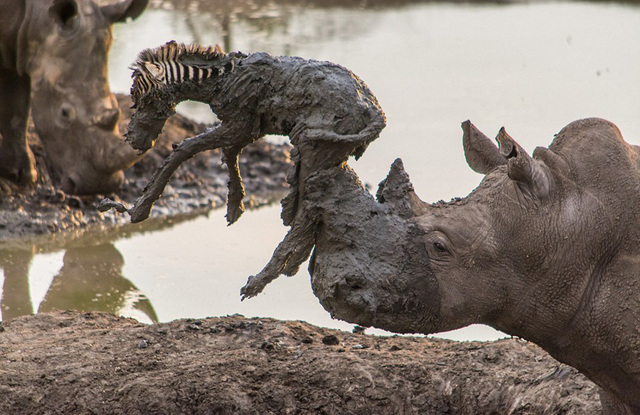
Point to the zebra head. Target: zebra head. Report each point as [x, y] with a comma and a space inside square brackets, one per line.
[158, 75]
[174, 63]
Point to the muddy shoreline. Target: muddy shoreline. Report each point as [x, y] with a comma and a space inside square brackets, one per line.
[196, 188]
[81, 363]
[97, 363]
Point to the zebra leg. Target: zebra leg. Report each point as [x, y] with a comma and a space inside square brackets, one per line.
[317, 149]
[235, 207]
[287, 257]
[209, 140]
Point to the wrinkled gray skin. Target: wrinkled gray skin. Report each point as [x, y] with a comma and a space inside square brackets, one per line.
[546, 248]
[53, 60]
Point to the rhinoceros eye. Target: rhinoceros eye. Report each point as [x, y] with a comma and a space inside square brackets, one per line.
[439, 246]
[67, 114]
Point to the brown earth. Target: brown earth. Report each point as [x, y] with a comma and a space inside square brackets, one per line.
[91, 363]
[72, 363]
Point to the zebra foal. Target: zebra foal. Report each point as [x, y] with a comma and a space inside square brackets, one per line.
[326, 110]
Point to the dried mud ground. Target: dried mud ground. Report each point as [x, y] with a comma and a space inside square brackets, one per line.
[92, 363]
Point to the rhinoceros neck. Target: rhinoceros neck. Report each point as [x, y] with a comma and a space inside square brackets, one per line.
[593, 328]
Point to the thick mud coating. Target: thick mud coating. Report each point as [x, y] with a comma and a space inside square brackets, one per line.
[199, 185]
[95, 363]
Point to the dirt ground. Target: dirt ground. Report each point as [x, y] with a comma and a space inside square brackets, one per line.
[91, 363]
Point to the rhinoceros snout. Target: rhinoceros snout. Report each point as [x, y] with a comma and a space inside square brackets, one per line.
[347, 298]
[79, 183]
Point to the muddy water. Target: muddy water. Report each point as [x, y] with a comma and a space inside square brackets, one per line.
[531, 67]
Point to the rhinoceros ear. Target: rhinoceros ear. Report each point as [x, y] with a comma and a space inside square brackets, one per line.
[529, 173]
[124, 9]
[65, 13]
[481, 154]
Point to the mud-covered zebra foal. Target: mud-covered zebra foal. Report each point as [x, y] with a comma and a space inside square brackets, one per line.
[326, 110]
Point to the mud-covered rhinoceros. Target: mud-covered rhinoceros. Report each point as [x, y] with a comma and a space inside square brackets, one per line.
[53, 60]
[546, 248]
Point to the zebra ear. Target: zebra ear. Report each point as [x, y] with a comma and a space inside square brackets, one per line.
[154, 70]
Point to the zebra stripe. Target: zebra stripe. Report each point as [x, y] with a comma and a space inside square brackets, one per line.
[144, 83]
[179, 72]
[171, 72]
[155, 67]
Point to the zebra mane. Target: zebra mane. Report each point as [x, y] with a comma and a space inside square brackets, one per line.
[172, 63]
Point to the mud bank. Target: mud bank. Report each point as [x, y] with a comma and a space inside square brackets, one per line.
[97, 363]
[198, 186]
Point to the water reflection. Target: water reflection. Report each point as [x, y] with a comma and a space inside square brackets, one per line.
[90, 280]
[273, 18]
[91, 277]
[16, 299]
[273, 22]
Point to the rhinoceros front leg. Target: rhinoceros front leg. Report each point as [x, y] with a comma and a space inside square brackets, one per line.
[16, 160]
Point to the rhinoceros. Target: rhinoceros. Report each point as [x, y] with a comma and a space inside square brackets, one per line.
[546, 248]
[53, 60]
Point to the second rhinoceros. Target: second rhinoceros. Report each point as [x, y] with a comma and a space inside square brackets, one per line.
[546, 248]
[53, 61]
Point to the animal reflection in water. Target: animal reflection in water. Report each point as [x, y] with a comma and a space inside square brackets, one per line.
[90, 280]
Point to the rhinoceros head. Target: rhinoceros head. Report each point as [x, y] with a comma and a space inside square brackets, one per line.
[518, 253]
[64, 46]
[545, 248]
